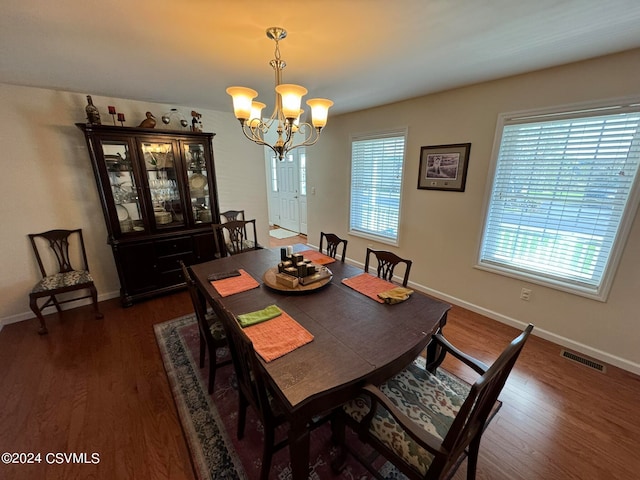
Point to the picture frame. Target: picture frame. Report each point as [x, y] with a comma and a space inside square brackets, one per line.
[444, 167]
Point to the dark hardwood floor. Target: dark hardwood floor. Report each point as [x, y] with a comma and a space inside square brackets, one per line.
[99, 386]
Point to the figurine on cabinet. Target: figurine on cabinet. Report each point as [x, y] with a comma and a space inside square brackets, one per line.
[93, 115]
[149, 122]
[196, 123]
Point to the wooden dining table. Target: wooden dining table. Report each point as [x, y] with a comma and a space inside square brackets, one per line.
[356, 340]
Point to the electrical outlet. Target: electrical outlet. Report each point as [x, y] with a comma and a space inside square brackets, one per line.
[525, 294]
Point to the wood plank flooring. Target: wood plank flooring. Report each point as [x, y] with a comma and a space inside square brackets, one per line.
[92, 386]
[99, 386]
[282, 242]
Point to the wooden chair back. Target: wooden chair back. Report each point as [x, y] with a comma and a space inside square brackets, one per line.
[58, 242]
[387, 262]
[472, 417]
[231, 215]
[333, 242]
[234, 237]
[198, 304]
[204, 327]
[251, 381]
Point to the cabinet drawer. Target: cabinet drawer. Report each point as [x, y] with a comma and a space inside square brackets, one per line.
[174, 246]
[173, 277]
[170, 262]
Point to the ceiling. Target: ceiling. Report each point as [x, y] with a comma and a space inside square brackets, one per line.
[359, 53]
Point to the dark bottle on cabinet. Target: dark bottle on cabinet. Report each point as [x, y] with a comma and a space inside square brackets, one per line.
[93, 115]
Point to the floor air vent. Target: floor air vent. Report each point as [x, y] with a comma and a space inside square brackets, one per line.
[584, 361]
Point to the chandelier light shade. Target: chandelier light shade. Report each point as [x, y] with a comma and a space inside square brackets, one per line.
[285, 119]
[242, 101]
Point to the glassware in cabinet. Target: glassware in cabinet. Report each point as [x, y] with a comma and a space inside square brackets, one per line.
[124, 188]
[164, 187]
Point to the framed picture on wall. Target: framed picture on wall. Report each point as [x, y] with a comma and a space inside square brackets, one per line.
[444, 167]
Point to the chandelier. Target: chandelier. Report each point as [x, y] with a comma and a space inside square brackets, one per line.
[291, 132]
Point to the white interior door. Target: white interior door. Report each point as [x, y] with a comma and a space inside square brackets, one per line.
[288, 193]
[287, 190]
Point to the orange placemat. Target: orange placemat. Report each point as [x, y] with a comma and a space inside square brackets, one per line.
[317, 257]
[277, 337]
[369, 285]
[232, 285]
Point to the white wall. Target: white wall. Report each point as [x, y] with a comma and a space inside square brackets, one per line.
[46, 181]
[440, 230]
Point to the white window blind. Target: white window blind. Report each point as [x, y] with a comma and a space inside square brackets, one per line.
[561, 197]
[376, 185]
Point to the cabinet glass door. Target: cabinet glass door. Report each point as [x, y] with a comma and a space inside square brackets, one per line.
[160, 163]
[123, 185]
[198, 182]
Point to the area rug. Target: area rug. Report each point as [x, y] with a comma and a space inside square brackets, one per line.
[209, 421]
[281, 233]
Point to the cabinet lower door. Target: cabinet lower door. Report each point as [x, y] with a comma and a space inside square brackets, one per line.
[204, 247]
[137, 269]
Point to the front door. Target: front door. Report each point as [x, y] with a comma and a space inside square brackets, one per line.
[285, 194]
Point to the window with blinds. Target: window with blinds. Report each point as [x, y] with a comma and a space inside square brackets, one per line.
[563, 197]
[376, 185]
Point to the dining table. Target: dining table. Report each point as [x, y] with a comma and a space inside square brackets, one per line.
[355, 339]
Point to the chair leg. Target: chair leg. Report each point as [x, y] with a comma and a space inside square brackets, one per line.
[212, 370]
[33, 303]
[242, 414]
[338, 427]
[472, 458]
[267, 452]
[54, 300]
[203, 345]
[94, 297]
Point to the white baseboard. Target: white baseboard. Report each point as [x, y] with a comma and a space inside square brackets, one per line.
[538, 332]
[28, 315]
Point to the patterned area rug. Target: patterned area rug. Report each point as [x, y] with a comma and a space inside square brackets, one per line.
[209, 421]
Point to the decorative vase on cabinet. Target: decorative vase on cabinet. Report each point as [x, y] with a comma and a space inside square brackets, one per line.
[159, 198]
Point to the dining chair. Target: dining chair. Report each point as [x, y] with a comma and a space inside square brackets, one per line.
[231, 215]
[233, 237]
[211, 331]
[423, 423]
[333, 242]
[253, 391]
[387, 262]
[66, 278]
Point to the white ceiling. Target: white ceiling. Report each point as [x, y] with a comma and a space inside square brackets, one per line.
[359, 53]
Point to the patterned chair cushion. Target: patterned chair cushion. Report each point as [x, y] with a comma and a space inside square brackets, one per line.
[61, 280]
[215, 326]
[431, 401]
[246, 245]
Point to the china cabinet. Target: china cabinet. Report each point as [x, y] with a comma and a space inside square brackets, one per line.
[159, 199]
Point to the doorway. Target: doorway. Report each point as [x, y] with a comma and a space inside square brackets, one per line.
[287, 187]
